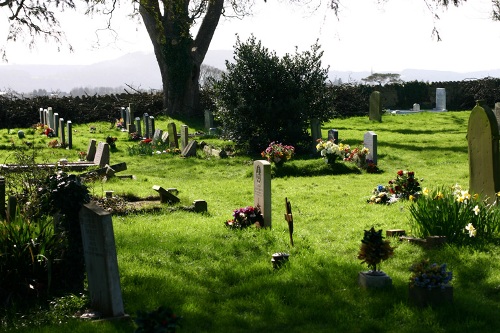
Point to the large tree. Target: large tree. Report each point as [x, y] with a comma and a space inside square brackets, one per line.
[169, 24]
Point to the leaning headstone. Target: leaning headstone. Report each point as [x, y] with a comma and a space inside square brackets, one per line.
[138, 125]
[173, 141]
[69, 124]
[146, 125]
[62, 136]
[370, 142]
[157, 135]
[496, 111]
[101, 157]
[100, 261]
[375, 106]
[190, 149]
[91, 150]
[184, 136]
[209, 120]
[482, 138]
[166, 196]
[333, 134]
[262, 189]
[440, 99]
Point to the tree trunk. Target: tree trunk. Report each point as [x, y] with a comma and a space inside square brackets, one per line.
[179, 57]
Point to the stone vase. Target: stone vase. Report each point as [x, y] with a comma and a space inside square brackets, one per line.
[374, 280]
[422, 297]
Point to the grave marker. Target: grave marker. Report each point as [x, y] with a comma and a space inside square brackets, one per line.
[370, 142]
[315, 130]
[102, 155]
[333, 134]
[50, 115]
[262, 189]
[482, 138]
[184, 136]
[440, 99]
[496, 111]
[209, 120]
[130, 114]
[91, 150]
[138, 125]
[146, 126]
[3, 213]
[69, 124]
[416, 107]
[56, 124]
[375, 106]
[190, 149]
[172, 136]
[62, 135]
[100, 261]
[42, 117]
[157, 135]
[166, 196]
[151, 126]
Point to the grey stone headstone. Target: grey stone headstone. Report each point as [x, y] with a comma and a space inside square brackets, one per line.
[482, 138]
[190, 149]
[62, 136]
[315, 130]
[164, 136]
[184, 136]
[45, 117]
[166, 196]
[101, 157]
[375, 106]
[138, 125]
[146, 126]
[416, 107]
[100, 261]
[50, 115]
[69, 124]
[440, 99]
[370, 142]
[173, 141]
[56, 124]
[262, 189]
[152, 128]
[42, 117]
[158, 134]
[209, 120]
[333, 134]
[123, 115]
[91, 150]
[130, 113]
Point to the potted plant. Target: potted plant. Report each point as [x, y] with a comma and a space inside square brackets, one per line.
[374, 249]
[430, 284]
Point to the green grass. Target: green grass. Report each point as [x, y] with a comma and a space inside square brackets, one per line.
[222, 280]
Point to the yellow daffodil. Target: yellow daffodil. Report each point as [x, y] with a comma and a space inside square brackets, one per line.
[440, 195]
[425, 191]
[411, 197]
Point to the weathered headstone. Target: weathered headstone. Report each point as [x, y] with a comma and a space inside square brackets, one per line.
[315, 130]
[375, 106]
[42, 117]
[146, 126]
[69, 124]
[209, 120]
[50, 115]
[164, 136]
[157, 134]
[416, 107]
[333, 134]
[200, 206]
[138, 125]
[173, 141]
[166, 196]
[440, 99]
[123, 115]
[184, 136]
[130, 113]
[62, 136]
[151, 126]
[482, 138]
[45, 117]
[91, 150]
[190, 149]
[100, 261]
[262, 189]
[101, 157]
[370, 142]
[56, 124]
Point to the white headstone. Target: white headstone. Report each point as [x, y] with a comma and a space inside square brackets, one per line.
[262, 189]
[370, 142]
[440, 99]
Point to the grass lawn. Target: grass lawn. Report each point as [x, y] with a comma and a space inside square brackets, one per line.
[222, 280]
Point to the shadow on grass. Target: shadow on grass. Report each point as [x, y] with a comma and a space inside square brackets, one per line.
[308, 168]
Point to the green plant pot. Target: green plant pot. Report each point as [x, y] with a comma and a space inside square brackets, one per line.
[423, 297]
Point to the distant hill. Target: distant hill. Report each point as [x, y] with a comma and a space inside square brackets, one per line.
[140, 70]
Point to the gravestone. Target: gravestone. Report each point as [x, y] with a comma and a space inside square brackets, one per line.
[375, 106]
[130, 114]
[333, 134]
[173, 141]
[166, 196]
[262, 189]
[56, 124]
[440, 99]
[315, 130]
[62, 136]
[100, 261]
[151, 126]
[20, 134]
[184, 136]
[416, 107]
[101, 157]
[200, 206]
[69, 124]
[209, 120]
[42, 117]
[157, 135]
[146, 126]
[190, 149]
[496, 111]
[482, 138]
[91, 150]
[370, 142]
[50, 115]
[123, 115]
[138, 125]
[3, 212]
[45, 119]
[164, 136]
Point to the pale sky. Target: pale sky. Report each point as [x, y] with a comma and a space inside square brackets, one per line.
[367, 36]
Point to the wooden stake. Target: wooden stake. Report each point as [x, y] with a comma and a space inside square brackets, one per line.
[289, 218]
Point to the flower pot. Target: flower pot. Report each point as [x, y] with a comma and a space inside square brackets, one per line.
[330, 159]
[374, 280]
[423, 297]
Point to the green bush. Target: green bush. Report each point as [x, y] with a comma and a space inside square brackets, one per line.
[462, 217]
[263, 98]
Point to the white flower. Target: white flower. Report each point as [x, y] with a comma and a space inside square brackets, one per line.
[470, 228]
[476, 210]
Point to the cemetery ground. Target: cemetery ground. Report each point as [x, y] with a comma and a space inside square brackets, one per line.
[222, 280]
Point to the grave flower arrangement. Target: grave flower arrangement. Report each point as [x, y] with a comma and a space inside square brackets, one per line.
[245, 217]
[330, 151]
[374, 249]
[381, 195]
[111, 141]
[278, 153]
[120, 124]
[431, 276]
[405, 185]
[134, 136]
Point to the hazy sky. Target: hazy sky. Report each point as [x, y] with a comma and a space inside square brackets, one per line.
[367, 36]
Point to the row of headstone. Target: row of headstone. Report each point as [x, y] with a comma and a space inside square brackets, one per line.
[375, 107]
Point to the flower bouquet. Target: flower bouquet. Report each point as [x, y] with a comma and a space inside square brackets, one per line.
[405, 186]
[331, 151]
[245, 217]
[278, 153]
[430, 276]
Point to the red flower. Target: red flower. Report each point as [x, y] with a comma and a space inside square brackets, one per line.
[400, 172]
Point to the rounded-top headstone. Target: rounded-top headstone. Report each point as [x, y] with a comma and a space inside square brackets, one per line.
[20, 134]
